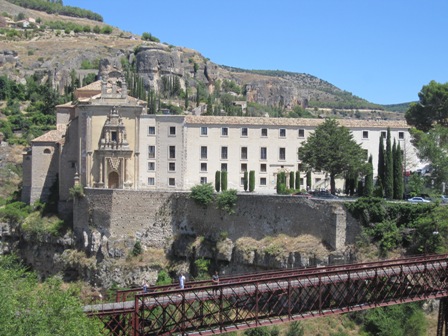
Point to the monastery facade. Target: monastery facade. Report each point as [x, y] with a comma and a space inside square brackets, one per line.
[106, 139]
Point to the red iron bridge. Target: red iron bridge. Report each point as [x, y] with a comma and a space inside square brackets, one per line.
[273, 297]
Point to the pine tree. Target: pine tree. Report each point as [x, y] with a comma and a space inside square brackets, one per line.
[368, 180]
[398, 173]
[388, 168]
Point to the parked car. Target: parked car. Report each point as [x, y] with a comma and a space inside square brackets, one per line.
[444, 199]
[418, 199]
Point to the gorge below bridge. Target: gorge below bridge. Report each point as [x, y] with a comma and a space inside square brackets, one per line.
[280, 296]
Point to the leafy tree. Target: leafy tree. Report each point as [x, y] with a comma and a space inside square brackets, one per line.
[431, 109]
[251, 180]
[30, 308]
[331, 148]
[218, 181]
[431, 234]
[226, 200]
[202, 194]
[388, 168]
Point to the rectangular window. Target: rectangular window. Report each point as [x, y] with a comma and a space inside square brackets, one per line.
[242, 181]
[224, 153]
[263, 153]
[203, 152]
[151, 130]
[282, 132]
[172, 153]
[172, 130]
[151, 166]
[224, 131]
[203, 180]
[203, 166]
[264, 132]
[204, 130]
[172, 166]
[263, 181]
[365, 134]
[301, 133]
[151, 152]
[244, 167]
[263, 168]
[113, 136]
[244, 132]
[300, 167]
[243, 153]
[401, 135]
[223, 166]
[151, 181]
[282, 153]
[171, 181]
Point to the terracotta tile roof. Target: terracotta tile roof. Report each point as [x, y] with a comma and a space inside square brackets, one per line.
[292, 122]
[51, 136]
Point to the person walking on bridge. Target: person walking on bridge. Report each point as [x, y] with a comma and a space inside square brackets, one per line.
[215, 281]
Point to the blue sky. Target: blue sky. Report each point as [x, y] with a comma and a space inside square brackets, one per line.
[380, 50]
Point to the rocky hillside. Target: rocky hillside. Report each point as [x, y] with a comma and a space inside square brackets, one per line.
[53, 53]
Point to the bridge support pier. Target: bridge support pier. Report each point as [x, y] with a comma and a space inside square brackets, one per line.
[443, 317]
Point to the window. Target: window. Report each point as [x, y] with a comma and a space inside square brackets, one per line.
[263, 153]
[282, 153]
[172, 153]
[282, 132]
[365, 134]
[243, 153]
[384, 134]
[172, 166]
[401, 135]
[113, 136]
[204, 130]
[151, 130]
[244, 167]
[151, 152]
[151, 166]
[171, 181]
[263, 181]
[223, 166]
[151, 181]
[203, 166]
[263, 168]
[224, 131]
[264, 132]
[224, 153]
[301, 133]
[203, 180]
[172, 130]
[300, 167]
[47, 151]
[203, 152]
[244, 132]
[242, 181]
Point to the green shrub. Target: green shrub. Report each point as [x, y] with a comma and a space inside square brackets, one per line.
[202, 194]
[163, 278]
[226, 201]
[77, 191]
[295, 329]
[137, 249]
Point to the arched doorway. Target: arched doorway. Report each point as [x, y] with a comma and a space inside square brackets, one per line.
[113, 180]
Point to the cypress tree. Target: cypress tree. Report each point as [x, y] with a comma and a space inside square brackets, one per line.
[252, 180]
[368, 180]
[224, 181]
[291, 180]
[218, 181]
[398, 173]
[308, 180]
[245, 181]
[381, 162]
[388, 168]
[360, 188]
[297, 180]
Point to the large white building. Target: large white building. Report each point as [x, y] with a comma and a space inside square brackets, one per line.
[106, 139]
